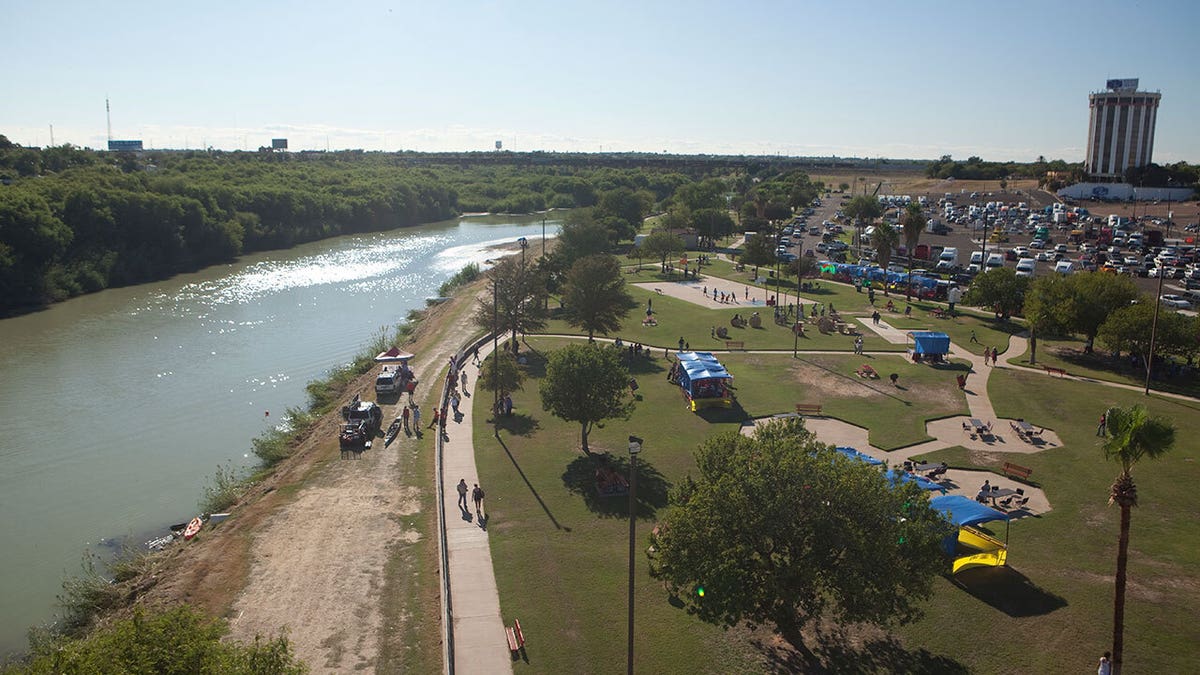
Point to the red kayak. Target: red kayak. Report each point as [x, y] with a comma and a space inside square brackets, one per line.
[193, 527]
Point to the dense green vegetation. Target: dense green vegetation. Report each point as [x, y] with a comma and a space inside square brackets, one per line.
[75, 221]
[177, 640]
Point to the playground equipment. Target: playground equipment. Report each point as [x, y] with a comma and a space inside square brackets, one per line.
[704, 381]
[969, 546]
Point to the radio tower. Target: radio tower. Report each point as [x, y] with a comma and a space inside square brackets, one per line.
[108, 115]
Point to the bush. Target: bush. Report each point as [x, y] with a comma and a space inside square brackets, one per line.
[180, 641]
[224, 490]
[461, 278]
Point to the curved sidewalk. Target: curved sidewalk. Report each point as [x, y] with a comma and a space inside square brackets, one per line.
[480, 645]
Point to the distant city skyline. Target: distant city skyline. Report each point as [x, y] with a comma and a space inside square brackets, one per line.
[913, 81]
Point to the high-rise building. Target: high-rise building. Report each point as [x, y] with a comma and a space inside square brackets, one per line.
[1121, 131]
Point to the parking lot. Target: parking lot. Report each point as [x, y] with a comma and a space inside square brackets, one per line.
[1030, 231]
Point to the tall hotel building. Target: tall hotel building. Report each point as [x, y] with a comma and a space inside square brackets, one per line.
[1121, 131]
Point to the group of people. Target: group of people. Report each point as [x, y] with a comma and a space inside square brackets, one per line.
[723, 297]
[476, 496]
[989, 355]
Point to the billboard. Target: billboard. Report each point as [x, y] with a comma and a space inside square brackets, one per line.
[279, 144]
[125, 146]
[1127, 84]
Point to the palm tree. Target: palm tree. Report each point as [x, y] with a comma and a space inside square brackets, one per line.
[885, 240]
[1132, 436]
[913, 222]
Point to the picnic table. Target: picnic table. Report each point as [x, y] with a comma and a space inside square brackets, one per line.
[1025, 427]
[998, 492]
[978, 425]
[926, 466]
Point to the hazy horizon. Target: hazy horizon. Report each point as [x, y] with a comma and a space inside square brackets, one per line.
[917, 81]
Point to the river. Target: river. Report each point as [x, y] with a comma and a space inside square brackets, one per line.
[116, 408]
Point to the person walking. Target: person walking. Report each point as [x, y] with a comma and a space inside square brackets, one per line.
[1102, 428]
[973, 338]
[405, 414]
[477, 496]
[462, 494]
[464, 383]
[454, 401]
[1105, 665]
[436, 415]
[416, 415]
[681, 343]
[987, 354]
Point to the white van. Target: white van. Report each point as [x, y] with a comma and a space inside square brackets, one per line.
[1065, 266]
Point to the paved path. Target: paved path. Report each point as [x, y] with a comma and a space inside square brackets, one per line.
[479, 642]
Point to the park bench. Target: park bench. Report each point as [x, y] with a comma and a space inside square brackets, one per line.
[735, 344]
[516, 639]
[1017, 471]
[1051, 370]
[812, 409]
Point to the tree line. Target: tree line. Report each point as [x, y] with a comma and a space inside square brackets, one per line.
[75, 221]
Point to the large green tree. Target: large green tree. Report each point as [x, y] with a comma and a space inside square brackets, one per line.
[661, 244]
[778, 528]
[1096, 296]
[500, 373]
[595, 297]
[588, 384]
[711, 224]
[516, 303]
[1047, 309]
[999, 290]
[623, 210]
[1133, 435]
[1129, 329]
[758, 251]
[580, 237]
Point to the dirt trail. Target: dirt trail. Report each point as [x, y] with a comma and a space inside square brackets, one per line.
[317, 563]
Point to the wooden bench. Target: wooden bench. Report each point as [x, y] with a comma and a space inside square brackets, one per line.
[735, 344]
[1017, 471]
[516, 639]
[1050, 370]
[813, 409]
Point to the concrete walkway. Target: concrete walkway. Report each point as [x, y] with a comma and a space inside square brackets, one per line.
[479, 642]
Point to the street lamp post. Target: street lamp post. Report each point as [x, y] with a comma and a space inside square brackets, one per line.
[1154, 325]
[524, 243]
[635, 446]
[495, 357]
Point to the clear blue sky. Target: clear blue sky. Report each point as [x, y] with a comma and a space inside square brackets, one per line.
[1002, 80]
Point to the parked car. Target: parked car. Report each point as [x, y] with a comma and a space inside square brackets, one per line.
[1176, 301]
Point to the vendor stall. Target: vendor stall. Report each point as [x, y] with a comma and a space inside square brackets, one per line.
[928, 346]
[704, 381]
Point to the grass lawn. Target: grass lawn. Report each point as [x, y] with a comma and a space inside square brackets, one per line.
[561, 550]
[680, 318]
[1068, 354]
[1051, 610]
[894, 416]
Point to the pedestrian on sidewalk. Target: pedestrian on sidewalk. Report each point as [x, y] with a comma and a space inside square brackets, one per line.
[477, 496]
[987, 354]
[462, 494]
[436, 416]
[454, 401]
[464, 383]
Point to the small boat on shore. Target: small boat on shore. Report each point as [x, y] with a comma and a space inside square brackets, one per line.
[192, 528]
[393, 431]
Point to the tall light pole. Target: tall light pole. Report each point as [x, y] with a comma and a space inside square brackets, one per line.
[635, 446]
[495, 357]
[524, 291]
[543, 236]
[1154, 325]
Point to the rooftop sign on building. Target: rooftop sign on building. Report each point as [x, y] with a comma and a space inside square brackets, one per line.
[1125, 86]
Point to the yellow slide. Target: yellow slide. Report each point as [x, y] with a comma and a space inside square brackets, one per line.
[992, 552]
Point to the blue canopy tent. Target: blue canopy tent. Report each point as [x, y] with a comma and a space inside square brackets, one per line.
[704, 381]
[929, 346]
[981, 549]
[898, 476]
[860, 456]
